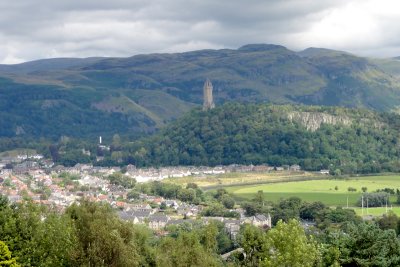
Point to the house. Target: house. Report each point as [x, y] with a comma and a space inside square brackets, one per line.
[260, 220]
[171, 204]
[324, 172]
[139, 207]
[295, 168]
[263, 168]
[180, 221]
[158, 221]
[137, 217]
[232, 227]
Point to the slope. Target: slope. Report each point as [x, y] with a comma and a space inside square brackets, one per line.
[347, 140]
[55, 97]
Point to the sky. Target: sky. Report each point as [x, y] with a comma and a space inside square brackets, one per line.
[36, 29]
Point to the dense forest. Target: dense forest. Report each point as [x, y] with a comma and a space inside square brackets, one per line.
[342, 140]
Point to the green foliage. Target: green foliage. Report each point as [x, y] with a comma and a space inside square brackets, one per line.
[218, 210]
[127, 96]
[172, 191]
[312, 211]
[364, 189]
[91, 234]
[376, 199]
[5, 257]
[36, 236]
[185, 250]
[340, 215]
[286, 210]
[252, 240]
[227, 201]
[287, 245]
[103, 239]
[365, 244]
[257, 134]
[120, 179]
[389, 221]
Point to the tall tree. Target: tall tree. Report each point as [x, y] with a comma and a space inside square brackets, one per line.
[287, 245]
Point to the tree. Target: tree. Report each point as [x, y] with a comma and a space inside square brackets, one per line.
[365, 244]
[389, 221]
[185, 250]
[120, 179]
[192, 185]
[227, 201]
[163, 206]
[186, 195]
[398, 196]
[364, 189]
[103, 239]
[252, 239]
[259, 198]
[6, 260]
[340, 215]
[251, 208]
[376, 199]
[287, 245]
[220, 193]
[312, 211]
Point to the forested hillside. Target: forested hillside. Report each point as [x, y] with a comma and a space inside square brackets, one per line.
[134, 96]
[341, 139]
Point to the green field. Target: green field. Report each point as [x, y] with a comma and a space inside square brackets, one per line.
[320, 190]
[377, 211]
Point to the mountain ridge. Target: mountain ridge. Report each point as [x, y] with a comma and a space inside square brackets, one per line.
[164, 86]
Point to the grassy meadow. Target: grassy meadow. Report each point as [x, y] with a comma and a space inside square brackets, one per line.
[308, 186]
[333, 192]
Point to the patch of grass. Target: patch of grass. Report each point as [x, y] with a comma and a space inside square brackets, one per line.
[319, 190]
[376, 211]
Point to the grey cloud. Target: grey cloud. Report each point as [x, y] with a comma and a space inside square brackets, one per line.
[32, 29]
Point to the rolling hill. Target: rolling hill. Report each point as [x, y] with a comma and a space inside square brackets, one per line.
[138, 95]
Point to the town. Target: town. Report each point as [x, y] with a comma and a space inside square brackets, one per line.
[35, 178]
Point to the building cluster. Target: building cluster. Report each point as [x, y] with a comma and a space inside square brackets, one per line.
[189, 214]
[43, 182]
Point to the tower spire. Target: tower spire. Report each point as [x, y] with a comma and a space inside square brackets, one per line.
[208, 97]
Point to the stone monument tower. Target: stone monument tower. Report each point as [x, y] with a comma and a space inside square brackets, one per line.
[208, 97]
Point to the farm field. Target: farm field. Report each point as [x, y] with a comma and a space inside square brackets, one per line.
[377, 211]
[250, 178]
[320, 190]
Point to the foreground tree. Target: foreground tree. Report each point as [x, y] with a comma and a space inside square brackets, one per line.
[287, 245]
[251, 239]
[185, 250]
[105, 240]
[367, 245]
[6, 260]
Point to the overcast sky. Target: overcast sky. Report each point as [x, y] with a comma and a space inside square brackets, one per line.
[34, 29]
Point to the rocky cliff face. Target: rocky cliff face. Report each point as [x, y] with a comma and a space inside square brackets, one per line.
[313, 120]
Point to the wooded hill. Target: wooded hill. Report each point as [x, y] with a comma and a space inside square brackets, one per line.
[341, 139]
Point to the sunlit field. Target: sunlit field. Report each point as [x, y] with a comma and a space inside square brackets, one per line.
[333, 192]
